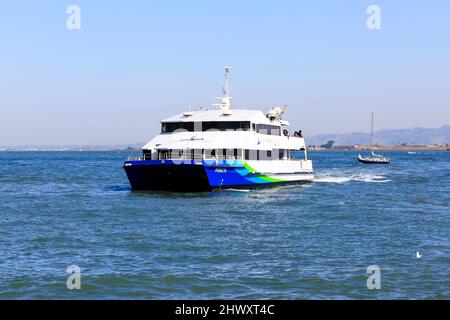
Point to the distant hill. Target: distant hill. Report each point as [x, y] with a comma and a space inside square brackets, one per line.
[107, 147]
[414, 136]
[396, 137]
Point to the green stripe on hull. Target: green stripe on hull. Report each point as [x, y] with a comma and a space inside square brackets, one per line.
[263, 177]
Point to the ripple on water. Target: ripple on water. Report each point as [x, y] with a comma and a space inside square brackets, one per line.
[311, 241]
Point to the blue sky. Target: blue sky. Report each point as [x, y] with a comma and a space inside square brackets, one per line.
[136, 62]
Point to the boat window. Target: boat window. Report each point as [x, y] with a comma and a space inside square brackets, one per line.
[268, 129]
[210, 153]
[262, 128]
[197, 154]
[163, 154]
[226, 125]
[275, 154]
[264, 154]
[172, 126]
[221, 126]
[227, 154]
[147, 154]
[177, 154]
[222, 154]
[205, 126]
[250, 154]
[275, 131]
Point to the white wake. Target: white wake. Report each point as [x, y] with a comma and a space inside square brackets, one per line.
[338, 178]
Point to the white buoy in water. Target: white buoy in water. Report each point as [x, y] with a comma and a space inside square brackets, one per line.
[418, 255]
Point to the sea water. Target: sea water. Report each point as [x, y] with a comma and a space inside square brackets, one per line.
[313, 241]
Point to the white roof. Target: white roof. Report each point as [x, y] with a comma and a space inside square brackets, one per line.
[255, 116]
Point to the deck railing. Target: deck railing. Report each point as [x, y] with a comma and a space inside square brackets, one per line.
[168, 156]
[134, 158]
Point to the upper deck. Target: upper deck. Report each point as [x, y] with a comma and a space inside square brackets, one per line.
[210, 129]
[216, 115]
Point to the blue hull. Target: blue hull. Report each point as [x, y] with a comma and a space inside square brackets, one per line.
[166, 176]
[192, 175]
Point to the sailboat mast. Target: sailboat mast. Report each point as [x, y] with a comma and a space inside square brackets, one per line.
[371, 135]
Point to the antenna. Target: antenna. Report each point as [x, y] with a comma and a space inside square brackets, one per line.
[225, 100]
[226, 88]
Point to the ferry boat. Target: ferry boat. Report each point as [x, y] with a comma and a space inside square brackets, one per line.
[221, 148]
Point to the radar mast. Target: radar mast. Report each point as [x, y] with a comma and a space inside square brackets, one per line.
[225, 100]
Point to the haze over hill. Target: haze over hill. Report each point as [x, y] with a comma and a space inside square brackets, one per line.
[393, 137]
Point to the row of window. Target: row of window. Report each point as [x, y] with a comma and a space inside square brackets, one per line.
[206, 125]
[220, 126]
[220, 154]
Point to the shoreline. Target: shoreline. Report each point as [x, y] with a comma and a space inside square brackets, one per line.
[384, 148]
[336, 148]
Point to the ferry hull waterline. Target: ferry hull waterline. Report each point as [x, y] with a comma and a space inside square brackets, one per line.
[167, 175]
[221, 148]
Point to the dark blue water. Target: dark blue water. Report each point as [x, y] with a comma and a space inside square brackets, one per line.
[297, 242]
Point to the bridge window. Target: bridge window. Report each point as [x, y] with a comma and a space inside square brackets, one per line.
[205, 126]
[268, 129]
[172, 126]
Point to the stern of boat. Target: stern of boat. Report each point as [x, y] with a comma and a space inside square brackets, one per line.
[167, 175]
